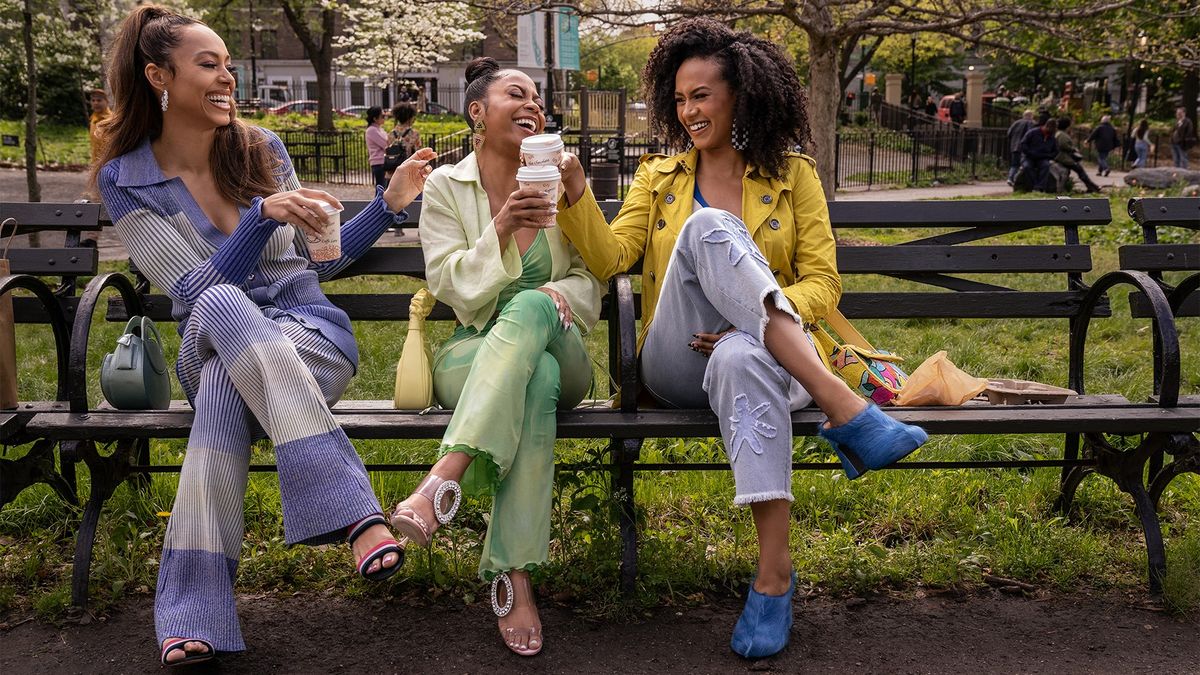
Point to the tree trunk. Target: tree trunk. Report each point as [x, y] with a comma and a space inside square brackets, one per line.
[1189, 93]
[323, 63]
[35, 190]
[824, 97]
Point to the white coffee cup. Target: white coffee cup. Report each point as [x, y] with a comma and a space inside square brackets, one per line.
[327, 245]
[542, 150]
[542, 178]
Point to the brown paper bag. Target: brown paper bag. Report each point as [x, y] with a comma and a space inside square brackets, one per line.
[938, 381]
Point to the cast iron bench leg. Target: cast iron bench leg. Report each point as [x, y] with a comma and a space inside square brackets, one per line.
[625, 452]
[106, 473]
[37, 466]
[1127, 468]
[1185, 448]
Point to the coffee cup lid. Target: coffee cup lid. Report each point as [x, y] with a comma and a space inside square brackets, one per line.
[328, 208]
[537, 174]
[541, 143]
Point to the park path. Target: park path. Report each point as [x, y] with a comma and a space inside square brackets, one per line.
[988, 633]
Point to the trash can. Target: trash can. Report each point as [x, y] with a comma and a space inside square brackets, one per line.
[604, 179]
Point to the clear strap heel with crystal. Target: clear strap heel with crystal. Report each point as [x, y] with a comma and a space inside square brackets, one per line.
[502, 583]
[437, 490]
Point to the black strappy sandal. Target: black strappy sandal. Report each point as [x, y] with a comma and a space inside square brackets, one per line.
[188, 657]
[381, 550]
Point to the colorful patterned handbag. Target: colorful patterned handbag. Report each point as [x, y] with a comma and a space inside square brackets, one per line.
[870, 372]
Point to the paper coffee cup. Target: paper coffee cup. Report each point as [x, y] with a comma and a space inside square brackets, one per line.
[542, 150]
[327, 245]
[542, 178]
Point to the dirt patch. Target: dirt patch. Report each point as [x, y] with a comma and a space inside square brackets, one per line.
[977, 634]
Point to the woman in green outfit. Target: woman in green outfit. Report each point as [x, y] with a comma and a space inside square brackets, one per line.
[523, 298]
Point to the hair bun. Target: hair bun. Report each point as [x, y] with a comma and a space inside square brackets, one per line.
[480, 67]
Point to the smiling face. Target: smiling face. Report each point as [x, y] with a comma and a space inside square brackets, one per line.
[200, 81]
[513, 110]
[704, 103]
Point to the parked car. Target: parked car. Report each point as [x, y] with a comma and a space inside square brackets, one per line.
[303, 107]
[355, 110]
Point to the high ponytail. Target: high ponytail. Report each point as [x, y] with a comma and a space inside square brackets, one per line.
[243, 165]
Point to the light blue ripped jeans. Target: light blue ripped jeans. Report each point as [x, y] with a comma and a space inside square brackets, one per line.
[717, 279]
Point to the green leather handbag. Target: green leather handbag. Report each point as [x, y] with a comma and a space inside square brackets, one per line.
[134, 376]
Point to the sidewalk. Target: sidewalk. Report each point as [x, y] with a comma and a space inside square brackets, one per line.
[997, 188]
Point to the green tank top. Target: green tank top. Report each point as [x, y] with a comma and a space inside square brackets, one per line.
[536, 266]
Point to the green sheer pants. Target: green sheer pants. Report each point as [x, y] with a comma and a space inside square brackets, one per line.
[505, 385]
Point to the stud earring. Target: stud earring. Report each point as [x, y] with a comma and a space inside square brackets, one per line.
[163, 100]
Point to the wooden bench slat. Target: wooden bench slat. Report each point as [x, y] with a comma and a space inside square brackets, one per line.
[1139, 306]
[77, 261]
[42, 216]
[975, 213]
[392, 260]
[1166, 211]
[611, 423]
[1160, 257]
[959, 259]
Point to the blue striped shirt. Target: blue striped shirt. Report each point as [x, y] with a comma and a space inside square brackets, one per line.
[180, 251]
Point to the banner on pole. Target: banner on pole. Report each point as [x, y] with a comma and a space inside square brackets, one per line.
[531, 40]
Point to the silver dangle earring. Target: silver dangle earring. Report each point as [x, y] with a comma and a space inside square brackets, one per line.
[739, 139]
[163, 100]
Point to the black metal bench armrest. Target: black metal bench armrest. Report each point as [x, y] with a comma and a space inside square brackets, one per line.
[58, 320]
[1166, 339]
[1183, 290]
[626, 328]
[77, 378]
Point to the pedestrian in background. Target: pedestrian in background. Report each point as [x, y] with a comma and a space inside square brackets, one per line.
[100, 112]
[930, 106]
[377, 142]
[1183, 137]
[876, 104]
[403, 140]
[958, 109]
[1038, 148]
[1141, 144]
[1016, 134]
[1104, 140]
[1068, 156]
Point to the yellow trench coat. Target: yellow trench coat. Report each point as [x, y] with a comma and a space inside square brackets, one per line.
[788, 219]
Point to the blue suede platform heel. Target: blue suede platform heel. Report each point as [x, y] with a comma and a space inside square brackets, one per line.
[872, 440]
[765, 625]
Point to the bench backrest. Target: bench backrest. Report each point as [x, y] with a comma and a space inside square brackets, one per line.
[952, 247]
[67, 262]
[1154, 257]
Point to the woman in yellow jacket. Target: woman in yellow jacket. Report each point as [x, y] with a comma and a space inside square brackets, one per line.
[737, 254]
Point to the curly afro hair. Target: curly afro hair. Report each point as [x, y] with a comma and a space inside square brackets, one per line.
[770, 102]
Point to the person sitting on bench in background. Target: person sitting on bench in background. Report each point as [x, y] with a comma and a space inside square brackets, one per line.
[1038, 149]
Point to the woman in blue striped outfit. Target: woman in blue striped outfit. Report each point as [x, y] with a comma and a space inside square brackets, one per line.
[211, 212]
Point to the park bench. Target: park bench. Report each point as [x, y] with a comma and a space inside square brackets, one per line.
[951, 246]
[29, 270]
[1155, 257]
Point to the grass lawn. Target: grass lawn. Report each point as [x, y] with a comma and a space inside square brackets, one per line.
[894, 531]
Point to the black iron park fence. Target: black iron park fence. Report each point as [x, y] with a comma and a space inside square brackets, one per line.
[882, 157]
[866, 158]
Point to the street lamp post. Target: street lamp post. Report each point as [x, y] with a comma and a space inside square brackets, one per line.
[912, 71]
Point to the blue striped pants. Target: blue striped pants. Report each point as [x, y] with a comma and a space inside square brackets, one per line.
[249, 373]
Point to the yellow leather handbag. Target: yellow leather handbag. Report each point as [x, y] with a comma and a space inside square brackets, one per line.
[414, 372]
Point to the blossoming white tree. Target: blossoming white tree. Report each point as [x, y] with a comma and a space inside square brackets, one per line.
[381, 41]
